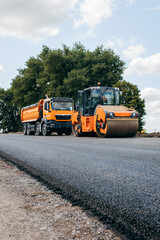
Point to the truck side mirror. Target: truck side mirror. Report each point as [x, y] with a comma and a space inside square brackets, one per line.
[48, 107]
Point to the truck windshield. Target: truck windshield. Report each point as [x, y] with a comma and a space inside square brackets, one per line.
[108, 97]
[62, 106]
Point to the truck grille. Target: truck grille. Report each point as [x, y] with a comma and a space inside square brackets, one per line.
[63, 117]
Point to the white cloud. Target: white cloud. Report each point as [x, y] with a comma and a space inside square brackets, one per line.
[152, 123]
[129, 2]
[134, 51]
[35, 19]
[151, 94]
[114, 42]
[94, 11]
[155, 9]
[152, 98]
[1, 68]
[126, 2]
[148, 65]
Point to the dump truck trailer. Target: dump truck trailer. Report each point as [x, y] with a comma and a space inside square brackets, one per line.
[47, 116]
[98, 111]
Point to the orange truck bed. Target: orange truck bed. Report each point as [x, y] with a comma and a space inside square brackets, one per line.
[31, 113]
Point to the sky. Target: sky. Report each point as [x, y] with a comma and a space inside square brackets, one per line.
[129, 27]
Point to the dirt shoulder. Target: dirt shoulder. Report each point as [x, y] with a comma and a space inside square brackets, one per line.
[29, 210]
[150, 135]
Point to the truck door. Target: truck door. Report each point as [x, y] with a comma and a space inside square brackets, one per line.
[46, 109]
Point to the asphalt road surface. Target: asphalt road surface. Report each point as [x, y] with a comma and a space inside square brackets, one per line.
[117, 178]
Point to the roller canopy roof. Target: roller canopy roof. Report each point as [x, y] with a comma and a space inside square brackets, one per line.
[99, 87]
[61, 99]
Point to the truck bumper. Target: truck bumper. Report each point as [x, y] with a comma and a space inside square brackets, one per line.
[59, 126]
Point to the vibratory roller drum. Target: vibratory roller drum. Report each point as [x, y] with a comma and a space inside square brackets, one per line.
[116, 121]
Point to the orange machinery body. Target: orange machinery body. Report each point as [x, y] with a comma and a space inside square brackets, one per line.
[54, 120]
[32, 113]
[121, 125]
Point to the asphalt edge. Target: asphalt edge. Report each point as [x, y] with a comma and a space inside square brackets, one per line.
[93, 207]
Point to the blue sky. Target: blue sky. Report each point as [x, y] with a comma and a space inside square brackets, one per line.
[130, 27]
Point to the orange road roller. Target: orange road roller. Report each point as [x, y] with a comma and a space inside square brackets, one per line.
[98, 111]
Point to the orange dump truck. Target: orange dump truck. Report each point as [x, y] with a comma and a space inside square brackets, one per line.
[98, 111]
[47, 116]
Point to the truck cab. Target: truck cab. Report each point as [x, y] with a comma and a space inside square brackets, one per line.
[57, 113]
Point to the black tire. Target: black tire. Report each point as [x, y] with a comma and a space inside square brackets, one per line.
[28, 130]
[98, 132]
[68, 133]
[37, 129]
[44, 130]
[25, 129]
[76, 133]
[59, 133]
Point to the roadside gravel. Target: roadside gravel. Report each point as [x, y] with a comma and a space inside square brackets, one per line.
[29, 210]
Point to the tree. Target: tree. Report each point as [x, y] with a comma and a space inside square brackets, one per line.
[9, 117]
[24, 86]
[62, 72]
[69, 70]
[77, 79]
[130, 97]
[106, 68]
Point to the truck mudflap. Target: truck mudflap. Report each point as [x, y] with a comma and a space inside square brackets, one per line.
[121, 127]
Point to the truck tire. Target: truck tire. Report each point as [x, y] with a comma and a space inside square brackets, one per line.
[24, 129]
[28, 130]
[68, 133]
[59, 133]
[37, 129]
[44, 130]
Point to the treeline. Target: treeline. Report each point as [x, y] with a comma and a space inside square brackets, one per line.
[61, 72]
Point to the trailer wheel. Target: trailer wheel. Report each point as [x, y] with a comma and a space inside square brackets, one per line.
[24, 129]
[44, 130]
[37, 129]
[28, 130]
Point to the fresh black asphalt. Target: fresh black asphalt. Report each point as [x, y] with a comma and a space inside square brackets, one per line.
[117, 178]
